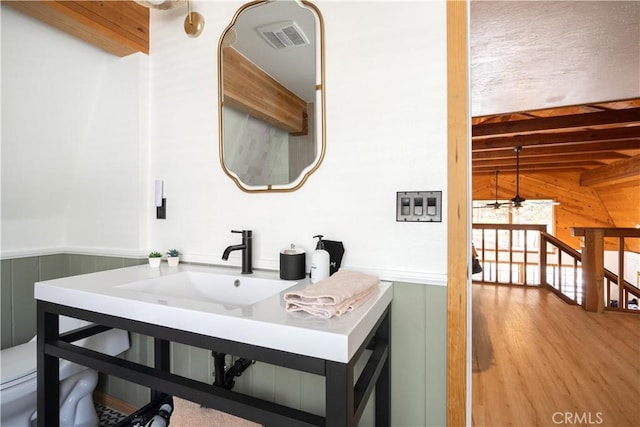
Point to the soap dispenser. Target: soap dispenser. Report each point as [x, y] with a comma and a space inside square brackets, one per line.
[319, 262]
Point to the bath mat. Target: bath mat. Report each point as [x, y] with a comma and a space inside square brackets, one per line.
[107, 416]
[189, 414]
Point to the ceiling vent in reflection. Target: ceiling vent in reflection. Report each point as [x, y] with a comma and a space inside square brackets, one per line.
[283, 35]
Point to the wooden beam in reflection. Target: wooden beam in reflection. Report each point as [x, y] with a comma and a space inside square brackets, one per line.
[249, 89]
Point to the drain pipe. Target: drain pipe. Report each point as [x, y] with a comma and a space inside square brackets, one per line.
[236, 370]
[218, 368]
[223, 377]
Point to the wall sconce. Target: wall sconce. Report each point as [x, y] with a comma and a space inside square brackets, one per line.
[193, 23]
[160, 201]
[161, 4]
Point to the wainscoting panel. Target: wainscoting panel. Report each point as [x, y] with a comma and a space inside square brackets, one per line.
[6, 335]
[52, 267]
[19, 275]
[24, 273]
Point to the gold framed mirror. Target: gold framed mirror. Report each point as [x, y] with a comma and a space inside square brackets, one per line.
[272, 95]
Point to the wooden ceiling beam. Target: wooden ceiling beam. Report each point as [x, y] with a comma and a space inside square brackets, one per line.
[118, 27]
[615, 173]
[629, 115]
[561, 111]
[581, 166]
[572, 139]
[569, 159]
[552, 150]
[554, 138]
[124, 17]
[541, 169]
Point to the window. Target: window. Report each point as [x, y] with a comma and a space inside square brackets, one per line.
[532, 212]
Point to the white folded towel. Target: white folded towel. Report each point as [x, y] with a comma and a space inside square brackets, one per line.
[345, 291]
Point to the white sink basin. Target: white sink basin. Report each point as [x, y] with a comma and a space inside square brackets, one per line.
[212, 287]
[203, 300]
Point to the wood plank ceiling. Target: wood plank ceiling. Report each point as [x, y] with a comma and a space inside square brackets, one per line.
[601, 141]
[559, 80]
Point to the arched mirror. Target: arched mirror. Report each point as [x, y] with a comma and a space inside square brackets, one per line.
[271, 93]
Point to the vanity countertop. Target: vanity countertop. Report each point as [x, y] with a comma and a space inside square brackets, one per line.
[265, 323]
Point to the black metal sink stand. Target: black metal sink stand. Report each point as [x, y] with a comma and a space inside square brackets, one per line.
[346, 397]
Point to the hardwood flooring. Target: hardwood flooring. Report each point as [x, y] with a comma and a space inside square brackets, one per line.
[540, 362]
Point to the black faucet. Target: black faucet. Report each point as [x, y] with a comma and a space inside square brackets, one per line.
[246, 250]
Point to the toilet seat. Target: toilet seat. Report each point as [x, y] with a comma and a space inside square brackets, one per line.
[18, 365]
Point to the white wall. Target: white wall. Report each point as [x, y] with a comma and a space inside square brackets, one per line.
[74, 143]
[85, 134]
[386, 132]
[78, 160]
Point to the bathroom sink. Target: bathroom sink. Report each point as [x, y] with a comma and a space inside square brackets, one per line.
[219, 288]
[204, 300]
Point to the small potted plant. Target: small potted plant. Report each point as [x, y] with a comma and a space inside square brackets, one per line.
[173, 257]
[154, 259]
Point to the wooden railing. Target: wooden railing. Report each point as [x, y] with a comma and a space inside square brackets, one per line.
[526, 255]
[563, 277]
[509, 253]
[626, 292]
[597, 296]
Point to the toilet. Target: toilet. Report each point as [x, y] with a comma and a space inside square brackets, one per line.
[77, 383]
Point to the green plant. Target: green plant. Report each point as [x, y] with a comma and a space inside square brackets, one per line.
[155, 255]
[173, 253]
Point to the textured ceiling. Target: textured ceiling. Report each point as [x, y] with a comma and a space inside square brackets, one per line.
[541, 54]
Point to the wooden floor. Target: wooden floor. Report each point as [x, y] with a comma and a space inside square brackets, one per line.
[540, 362]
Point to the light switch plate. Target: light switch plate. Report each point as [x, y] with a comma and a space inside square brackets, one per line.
[419, 206]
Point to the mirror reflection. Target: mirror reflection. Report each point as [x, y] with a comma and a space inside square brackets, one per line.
[271, 88]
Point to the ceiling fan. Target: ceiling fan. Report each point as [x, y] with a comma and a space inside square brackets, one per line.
[517, 200]
[497, 204]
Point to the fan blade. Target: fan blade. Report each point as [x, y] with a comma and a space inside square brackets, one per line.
[495, 205]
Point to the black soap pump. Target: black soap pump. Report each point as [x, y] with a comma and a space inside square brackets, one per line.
[319, 262]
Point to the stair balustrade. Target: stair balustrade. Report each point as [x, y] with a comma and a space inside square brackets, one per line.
[516, 254]
[597, 295]
[509, 253]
